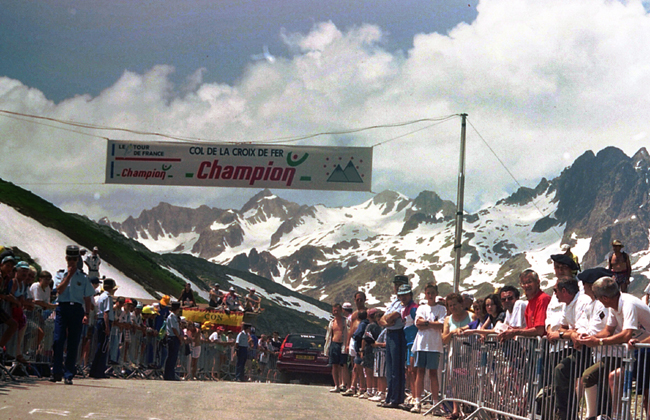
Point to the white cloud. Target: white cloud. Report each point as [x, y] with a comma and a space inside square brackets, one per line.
[539, 80]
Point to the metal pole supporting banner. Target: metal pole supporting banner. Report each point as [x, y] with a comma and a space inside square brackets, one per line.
[459, 207]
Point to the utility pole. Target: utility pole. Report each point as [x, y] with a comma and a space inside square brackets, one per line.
[460, 197]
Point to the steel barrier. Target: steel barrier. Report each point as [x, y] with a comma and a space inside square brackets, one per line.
[532, 378]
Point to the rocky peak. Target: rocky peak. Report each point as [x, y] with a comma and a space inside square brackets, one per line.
[430, 203]
[390, 201]
[265, 204]
[525, 195]
[641, 160]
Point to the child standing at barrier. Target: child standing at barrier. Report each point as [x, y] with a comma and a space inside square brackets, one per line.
[427, 346]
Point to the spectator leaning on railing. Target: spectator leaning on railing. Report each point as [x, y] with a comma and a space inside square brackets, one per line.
[535, 313]
[629, 318]
[515, 308]
[584, 314]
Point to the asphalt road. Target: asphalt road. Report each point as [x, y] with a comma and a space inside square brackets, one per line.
[149, 399]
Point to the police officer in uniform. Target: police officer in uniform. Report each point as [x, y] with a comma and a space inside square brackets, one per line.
[74, 290]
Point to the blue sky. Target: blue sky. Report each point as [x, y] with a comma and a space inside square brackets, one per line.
[542, 83]
[68, 48]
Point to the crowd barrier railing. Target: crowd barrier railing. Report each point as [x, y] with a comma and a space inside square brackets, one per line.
[533, 378]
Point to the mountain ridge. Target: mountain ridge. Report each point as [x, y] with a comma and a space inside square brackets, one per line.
[328, 253]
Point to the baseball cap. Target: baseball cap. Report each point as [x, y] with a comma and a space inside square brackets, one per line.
[404, 289]
[347, 306]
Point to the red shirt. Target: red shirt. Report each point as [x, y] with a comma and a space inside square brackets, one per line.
[535, 313]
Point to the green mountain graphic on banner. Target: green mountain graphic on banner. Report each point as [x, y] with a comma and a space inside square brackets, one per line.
[349, 174]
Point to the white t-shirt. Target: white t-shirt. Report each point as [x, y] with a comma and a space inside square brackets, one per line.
[575, 309]
[632, 314]
[516, 318]
[554, 313]
[593, 319]
[429, 339]
[39, 294]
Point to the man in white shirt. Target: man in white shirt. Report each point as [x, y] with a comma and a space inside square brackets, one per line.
[629, 318]
[514, 307]
[567, 291]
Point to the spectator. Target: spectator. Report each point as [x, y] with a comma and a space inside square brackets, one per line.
[628, 317]
[379, 367]
[568, 292]
[515, 308]
[187, 296]
[6, 274]
[74, 292]
[93, 262]
[19, 288]
[232, 301]
[126, 327]
[174, 335]
[274, 350]
[410, 331]
[592, 321]
[495, 316]
[105, 319]
[242, 344]
[457, 319]
[82, 259]
[253, 302]
[335, 348]
[395, 346]
[427, 346]
[468, 300]
[564, 266]
[216, 297]
[478, 314]
[41, 291]
[88, 330]
[194, 340]
[372, 333]
[619, 262]
[263, 357]
[357, 342]
[535, 313]
[353, 324]
[116, 332]
[566, 249]
[454, 322]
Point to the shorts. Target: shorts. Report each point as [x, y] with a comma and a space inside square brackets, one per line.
[336, 355]
[409, 354]
[368, 360]
[379, 368]
[196, 352]
[427, 359]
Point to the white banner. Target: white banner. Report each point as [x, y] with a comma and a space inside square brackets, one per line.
[240, 166]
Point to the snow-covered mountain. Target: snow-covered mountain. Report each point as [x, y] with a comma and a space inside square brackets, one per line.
[328, 253]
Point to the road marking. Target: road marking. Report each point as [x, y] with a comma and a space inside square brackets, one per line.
[62, 413]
